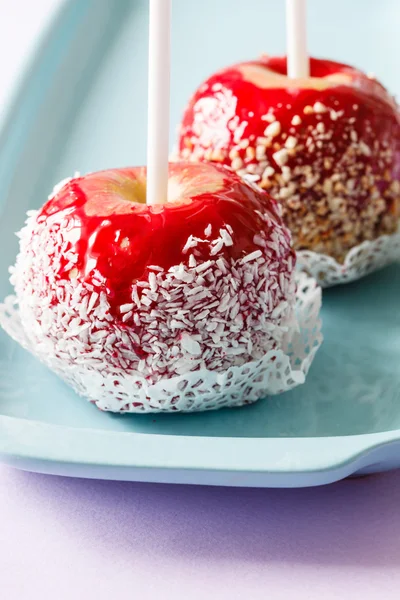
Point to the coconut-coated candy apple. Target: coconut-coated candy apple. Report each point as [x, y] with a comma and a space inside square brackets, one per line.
[327, 147]
[203, 281]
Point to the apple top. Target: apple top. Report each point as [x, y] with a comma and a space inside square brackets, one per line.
[115, 237]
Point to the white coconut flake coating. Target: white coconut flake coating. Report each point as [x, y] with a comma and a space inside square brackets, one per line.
[200, 317]
[277, 371]
[226, 308]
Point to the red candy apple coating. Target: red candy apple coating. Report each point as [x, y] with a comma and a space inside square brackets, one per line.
[327, 147]
[205, 280]
[119, 240]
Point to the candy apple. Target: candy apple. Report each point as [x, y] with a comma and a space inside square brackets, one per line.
[327, 147]
[202, 281]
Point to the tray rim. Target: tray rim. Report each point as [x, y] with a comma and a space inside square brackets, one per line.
[352, 447]
[55, 448]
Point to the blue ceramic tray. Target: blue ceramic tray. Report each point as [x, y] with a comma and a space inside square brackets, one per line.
[82, 106]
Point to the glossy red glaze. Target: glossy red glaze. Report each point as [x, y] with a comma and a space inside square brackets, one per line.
[345, 133]
[118, 238]
[362, 98]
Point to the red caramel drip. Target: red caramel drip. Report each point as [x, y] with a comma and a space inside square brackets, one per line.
[124, 238]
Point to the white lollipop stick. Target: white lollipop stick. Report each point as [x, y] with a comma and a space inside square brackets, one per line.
[298, 62]
[158, 102]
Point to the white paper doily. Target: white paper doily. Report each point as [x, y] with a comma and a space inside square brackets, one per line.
[278, 371]
[360, 261]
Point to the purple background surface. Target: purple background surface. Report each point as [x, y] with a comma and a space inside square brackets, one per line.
[69, 539]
